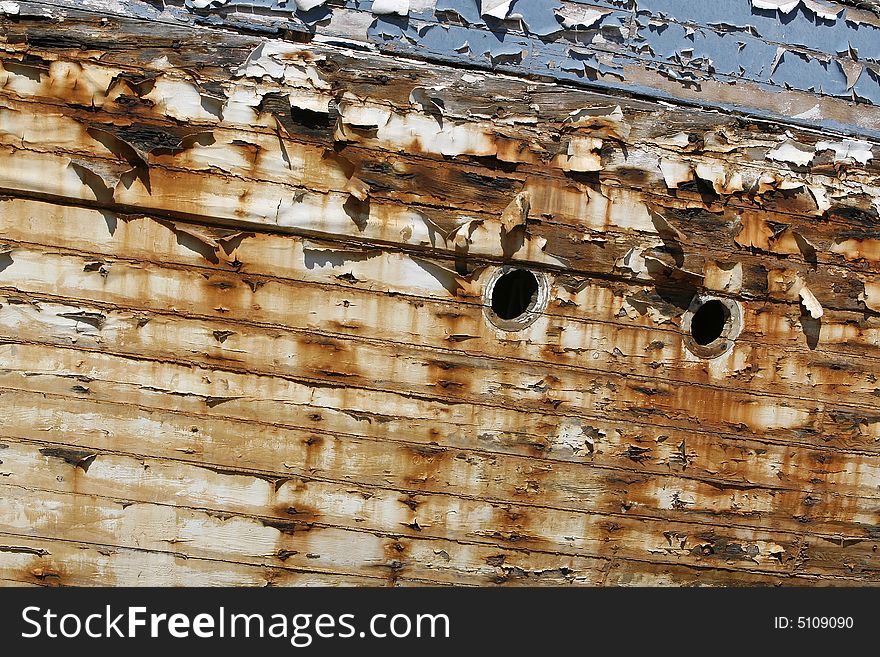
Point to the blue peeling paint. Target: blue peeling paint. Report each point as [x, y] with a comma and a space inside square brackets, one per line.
[692, 43]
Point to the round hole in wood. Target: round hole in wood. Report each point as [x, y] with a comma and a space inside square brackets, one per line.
[515, 297]
[711, 325]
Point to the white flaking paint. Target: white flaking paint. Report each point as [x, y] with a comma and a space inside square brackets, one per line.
[516, 213]
[411, 130]
[821, 198]
[791, 151]
[871, 297]
[260, 63]
[306, 5]
[676, 172]
[811, 303]
[283, 61]
[848, 149]
[723, 180]
[400, 7]
[821, 9]
[634, 261]
[10, 8]
[178, 99]
[678, 140]
[826, 10]
[791, 285]
[582, 154]
[358, 114]
[785, 6]
[723, 278]
[583, 17]
[495, 8]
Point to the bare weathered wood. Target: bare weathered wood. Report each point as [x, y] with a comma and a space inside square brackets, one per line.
[417, 470]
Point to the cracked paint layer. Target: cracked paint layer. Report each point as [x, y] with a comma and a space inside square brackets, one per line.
[805, 48]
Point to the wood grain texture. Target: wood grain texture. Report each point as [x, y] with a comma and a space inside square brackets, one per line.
[245, 337]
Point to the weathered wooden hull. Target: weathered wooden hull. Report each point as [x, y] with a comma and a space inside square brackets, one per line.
[244, 335]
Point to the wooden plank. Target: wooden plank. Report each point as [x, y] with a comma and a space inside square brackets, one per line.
[235, 539]
[52, 561]
[473, 377]
[621, 339]
[285, 538]
[258, 258]
[723, 461]
[621, 49]
[606, 210]
[412, 470]
[389, 222]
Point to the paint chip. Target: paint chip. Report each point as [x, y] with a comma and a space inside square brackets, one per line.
[308, 5]
[581, 17]
[495, 8]
[848, 149]
[793, 152]
[399, 7]
[811, 303]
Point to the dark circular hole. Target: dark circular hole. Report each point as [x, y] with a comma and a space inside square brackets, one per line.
[709, 321]
[513, 293]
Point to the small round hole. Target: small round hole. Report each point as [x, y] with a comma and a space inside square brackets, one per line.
[709, 321]
[711, 325]
[514, 298]
[514, 293]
